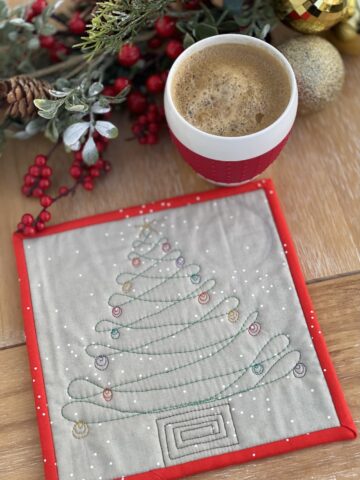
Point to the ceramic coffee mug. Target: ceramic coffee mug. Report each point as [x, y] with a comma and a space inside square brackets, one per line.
[230, 160]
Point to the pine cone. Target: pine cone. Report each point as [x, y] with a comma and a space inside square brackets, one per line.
[18, 94]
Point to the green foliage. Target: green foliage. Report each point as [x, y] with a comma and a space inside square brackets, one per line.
[72, 113]
[256, 18]
[119, 21]
[19, 39]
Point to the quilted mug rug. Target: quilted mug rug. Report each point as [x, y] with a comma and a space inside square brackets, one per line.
[174, 337]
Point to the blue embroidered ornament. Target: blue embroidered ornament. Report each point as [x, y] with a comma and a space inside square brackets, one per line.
[195, 278]
[115, 333]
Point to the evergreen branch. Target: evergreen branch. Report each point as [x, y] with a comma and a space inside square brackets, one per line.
[119, 21]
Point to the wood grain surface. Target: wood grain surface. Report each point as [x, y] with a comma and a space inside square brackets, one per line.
[318, 181]
[337, 305]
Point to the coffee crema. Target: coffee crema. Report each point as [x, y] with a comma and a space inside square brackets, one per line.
[231, 89]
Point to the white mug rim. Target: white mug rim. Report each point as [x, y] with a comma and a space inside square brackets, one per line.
[233, 38]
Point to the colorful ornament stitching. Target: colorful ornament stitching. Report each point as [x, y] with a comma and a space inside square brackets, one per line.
[97, 403]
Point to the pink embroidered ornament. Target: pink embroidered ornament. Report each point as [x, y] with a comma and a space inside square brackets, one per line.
[136, 262]
[107, 394]
[116, 311]
[166, 247]
[204, 298]
[254, 329]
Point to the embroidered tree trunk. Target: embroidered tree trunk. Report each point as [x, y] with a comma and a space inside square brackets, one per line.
[180, 342]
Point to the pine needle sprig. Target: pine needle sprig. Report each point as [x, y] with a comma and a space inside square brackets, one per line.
[115, 22]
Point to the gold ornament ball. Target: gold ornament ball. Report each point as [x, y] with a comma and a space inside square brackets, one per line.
[346, 35]
[313, 16]
[318, 68]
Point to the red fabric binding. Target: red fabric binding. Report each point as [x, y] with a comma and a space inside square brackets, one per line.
[345, 431]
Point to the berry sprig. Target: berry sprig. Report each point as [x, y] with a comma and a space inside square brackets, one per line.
[147, 125]
[38, 180]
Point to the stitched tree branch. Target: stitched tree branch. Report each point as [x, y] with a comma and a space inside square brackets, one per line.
[180, 340]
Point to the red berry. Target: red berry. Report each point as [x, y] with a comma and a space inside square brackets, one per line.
[29, 231]
[46, 41]
[120, 83]
[191, 4]
[38, 192]
[136, 129]
[173, 49]
[46, 171]
[153, 128]
[58, 52]
[154, 42]
[152, 108]
[136, 102]
[40, 160]
[46, 201]
[99, 164]
[152, 117]
[109, 91]
[40, 226]
[20, 226]
[29, 180]
[165, 26]
[94, 172]
[129, 55]
[77, 25]
[75, 171]
[143, 140]
[30, 14]
[88, 185]
[38, 6]
[34, 170]
[100, 145]
[44, 183]
[44, 216]
[63, 191]
[78, 156]
[142, 120]
[107, 166]
[152, 139]
[154, 84]
[27, 219]
[26, 190]
[164, 75]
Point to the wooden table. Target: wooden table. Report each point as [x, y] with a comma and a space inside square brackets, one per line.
[318, 181]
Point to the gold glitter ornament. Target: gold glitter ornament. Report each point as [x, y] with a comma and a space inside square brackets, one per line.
[346, 35]
[313, 16]
[318, 68]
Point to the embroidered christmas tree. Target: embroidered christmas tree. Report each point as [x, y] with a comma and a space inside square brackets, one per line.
[186, 345]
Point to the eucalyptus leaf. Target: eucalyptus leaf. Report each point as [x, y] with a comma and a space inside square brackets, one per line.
[81, 108]
[47, 105]
[33, 43]
[47, 114]
[58, 93]
[95, 89]
[90, 152]
[73, 133]
[47, 29]
[16, 21]
[99, 109]
[13, 35]
[106, 129]
[203, 30]
[188, 40]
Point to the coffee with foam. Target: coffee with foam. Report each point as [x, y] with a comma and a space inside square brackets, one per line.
[231, 89]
